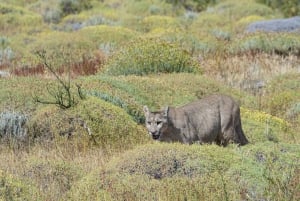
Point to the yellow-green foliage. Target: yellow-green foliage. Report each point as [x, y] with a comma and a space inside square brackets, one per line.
[177, 89]
[70, 46]
[237, 9]
[227, 15]
[58, 41]
[157, 21]
[81, 17]
[92, 122]
[163, 171]
[249, 19]
[147, 56]
[14, 19]
[89, 188]
[54, 178]
[282, 93]
[19, 2]
[108, 34]
[12, 188]
[110, 125]
[207, 21]
[156, 91]
[265, 118]
[145, 8]
[288, 8]
[261, 127]
[18, 91]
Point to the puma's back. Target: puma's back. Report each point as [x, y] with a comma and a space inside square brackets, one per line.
[215, 118]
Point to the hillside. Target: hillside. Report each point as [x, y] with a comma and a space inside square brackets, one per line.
[75, 75]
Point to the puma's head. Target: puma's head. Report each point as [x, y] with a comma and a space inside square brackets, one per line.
[156, 122]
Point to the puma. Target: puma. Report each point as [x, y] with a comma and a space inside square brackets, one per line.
[215, 118]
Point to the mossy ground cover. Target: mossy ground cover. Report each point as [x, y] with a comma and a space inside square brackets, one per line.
[172, 52]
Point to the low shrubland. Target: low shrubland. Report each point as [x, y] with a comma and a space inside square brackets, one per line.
[116, 56]
[174, 171]
[15, 19]
[91, 123]
[150, 56]
[289, 8]
[12, 188]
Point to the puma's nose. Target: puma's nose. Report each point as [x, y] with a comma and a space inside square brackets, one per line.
[155, 135]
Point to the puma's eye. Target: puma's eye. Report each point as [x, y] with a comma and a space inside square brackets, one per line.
[159, 122]
[148, 122]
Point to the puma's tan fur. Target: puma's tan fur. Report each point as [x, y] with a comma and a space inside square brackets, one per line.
[215, 118]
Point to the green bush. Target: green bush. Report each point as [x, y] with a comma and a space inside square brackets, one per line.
[163, 171]
[103, 34]
[195, 5]
[53, 178]
[146, 8]
[156, 21]
[282, 98]
[12, 188]
[262, 127]
[288, 8]
[232, 9]
[14, 18]
[74, 6]
[148, 56]
[49, 10]
[22, 89]
[157, 91]
[92, 122]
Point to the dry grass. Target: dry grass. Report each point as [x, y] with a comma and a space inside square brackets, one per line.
[53, 170]
[246, 70]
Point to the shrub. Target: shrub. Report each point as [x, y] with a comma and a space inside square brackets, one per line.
[14, 18]
[145, 8]
[243, 8]
[137, 114]
[103, 34]
[260, 127]
[63, 96]
[74, 57]
[156, 21]
[74, 6]
[193, 172]
[226, 16]
[150, 56]
[132, 92]
[12, 188]
[195, 5]
[49, 10]
[282, 94]
[53, 178]
[93, 122]
[13, 126]
[288, 8]
[249, 19]
[6, 52]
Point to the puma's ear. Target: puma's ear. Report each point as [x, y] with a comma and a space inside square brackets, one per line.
[166, 111]
[146, 109]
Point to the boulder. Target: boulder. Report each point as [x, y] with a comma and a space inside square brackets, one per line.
[276, 25]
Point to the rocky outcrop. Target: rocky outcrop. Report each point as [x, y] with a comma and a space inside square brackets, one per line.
[275, 25]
